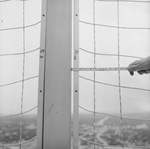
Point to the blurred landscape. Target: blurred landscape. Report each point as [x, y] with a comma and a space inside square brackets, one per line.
[10, 131]
[107, 129]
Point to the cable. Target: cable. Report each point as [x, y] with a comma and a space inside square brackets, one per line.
[20, 143]
[112, 146]
[94, 87]
[23, 72]
[137, 1]
[112, 115]
[109, 54]
[4, 85]
[18, 114]
[14, 28]
[14, 54]
[108, 84]
[115, 27]
[119, 75]
[11, 0]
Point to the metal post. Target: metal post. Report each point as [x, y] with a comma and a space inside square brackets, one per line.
[55, 120]
[41, 89]
[76, 77]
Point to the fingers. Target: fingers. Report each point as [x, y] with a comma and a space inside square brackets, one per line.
[131, 73]
[147, 71]
[141, 72]
[142, 66]
[131, 69]
[135, 66]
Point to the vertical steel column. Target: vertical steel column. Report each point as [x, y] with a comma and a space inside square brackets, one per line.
[76, 77]
[40, 119]
[56, 104]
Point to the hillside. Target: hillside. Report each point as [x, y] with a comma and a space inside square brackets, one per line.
[108, 131]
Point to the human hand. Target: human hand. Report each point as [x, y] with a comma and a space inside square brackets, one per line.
[142, 66]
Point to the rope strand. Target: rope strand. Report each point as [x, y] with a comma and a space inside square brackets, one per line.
[20, 143]
[94, 93]
[108, 84]
[127, 1]
[103, 54]
[115, 27]
[114, 146]
[119, 77]
[18, 114]
[23, 75]
[14, 28]
[15, 54]
[112, 115]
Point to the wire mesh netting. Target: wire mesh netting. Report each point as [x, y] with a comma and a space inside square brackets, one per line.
[20, 22]
[114, 107]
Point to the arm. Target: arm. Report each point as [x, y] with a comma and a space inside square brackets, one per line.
[141, 66]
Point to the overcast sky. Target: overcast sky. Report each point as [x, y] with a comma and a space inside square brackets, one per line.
[132, 42]
[11, 41]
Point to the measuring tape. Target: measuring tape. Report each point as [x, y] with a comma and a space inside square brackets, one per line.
[101, 69]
